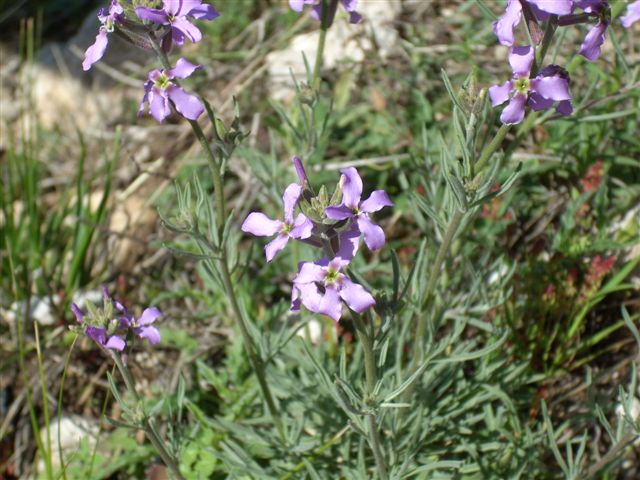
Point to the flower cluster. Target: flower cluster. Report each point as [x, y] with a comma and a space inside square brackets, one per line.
[549, 86]
[109, 326]
[165, 26]
[541, 10]
[541, 89]
[335, 227]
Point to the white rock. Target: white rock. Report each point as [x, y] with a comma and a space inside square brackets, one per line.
[345, 43]
[312, 330]
[73, 428]
[41, 310]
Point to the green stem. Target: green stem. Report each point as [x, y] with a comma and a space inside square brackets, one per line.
[257, 365]
[370, 374]
[321, 42]
[148, 425]
[214, 164]
[490, 149]
[369, 358]
[216, 172]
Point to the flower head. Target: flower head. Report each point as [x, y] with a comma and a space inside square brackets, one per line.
[590, 48]
[549, 86]
[504, 27]
[316, 12]
[100, 334]
[352, 207]
[160, 88]
[632, 15]
[108, 21]
[321, 287]
[142, 326]
[538, 102]
[300, 227]
[177, 14]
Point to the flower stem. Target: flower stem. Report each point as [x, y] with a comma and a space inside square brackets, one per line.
[215, 167]
[257, 365]
[324, 20]
[148, 425]
[443, 250]
[370, 374]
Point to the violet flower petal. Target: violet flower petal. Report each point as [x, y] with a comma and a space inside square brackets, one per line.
[500, 93]
[554, 88]
[272, 248]
[338, 212]
[150, 333]
[187, 104]
[565, 107]
[555, 7]
[187, 28]
[183, 69]
[521, 59]
[504, 26]
[310, 272]
[97, 334]
[351, 184]
[204, 12]
[376, 201]
[349, 243]
[329, 303]
[289, 199]
[115, 343]
[302, 227]
[77, 312]
[514, 112]
[95, 51]
[152, 15]
[632, 15]
[302, 175]
[373, 234]
[590, 48]
[297, 5]
[158, 105]
[308, 291]
[174, 7]
[260, 225]
[355, 296]
[149, 315]
[538, 103]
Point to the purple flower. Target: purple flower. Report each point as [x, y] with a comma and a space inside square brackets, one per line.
[98, 334]
[517, 90]
[142, 326]
[538, 102]
[590, 48]
[633, 14]
[177, 14]
[353, 208]
[96, 51]
[505, 25]
[321, 287]
[262, 226]
[302, 175]
[349, 6]
[159, 89]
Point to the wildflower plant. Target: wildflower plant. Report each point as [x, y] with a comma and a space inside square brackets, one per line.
[396, 401]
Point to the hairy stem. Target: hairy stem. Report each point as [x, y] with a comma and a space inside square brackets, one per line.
[321, 42]
[370, 374]
[147, 423]
[216, 172]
